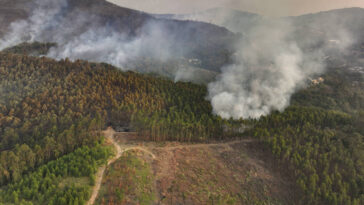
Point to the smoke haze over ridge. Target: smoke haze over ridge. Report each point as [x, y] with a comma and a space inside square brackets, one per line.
[270, 62]
[96, 42]
[276, 58]
[263, 7]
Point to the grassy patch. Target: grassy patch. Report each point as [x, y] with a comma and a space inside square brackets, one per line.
[129, 180]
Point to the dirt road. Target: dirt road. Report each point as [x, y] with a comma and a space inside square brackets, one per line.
[109, 134]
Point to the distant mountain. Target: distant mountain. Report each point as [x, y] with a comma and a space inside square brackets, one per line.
[234, 20]
[334, 28]
[104, 11]
[331, 23]
[241, 21]
[11, 11]
[199, 36]
[207, 42]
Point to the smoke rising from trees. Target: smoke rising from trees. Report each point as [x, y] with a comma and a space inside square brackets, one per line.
[273, 60]
[270, 62]
[268, 69]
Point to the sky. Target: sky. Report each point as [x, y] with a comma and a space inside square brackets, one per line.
[264, 7]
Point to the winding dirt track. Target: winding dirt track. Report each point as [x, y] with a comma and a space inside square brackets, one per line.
[109, 134]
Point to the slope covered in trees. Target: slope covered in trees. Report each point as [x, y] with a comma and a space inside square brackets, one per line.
[49, 108]
[48, 185]
[319, 141]
[322, 150]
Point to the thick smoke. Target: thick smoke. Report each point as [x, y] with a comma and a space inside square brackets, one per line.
[268, 69]
[78, 38]
[43, 18]
[101, 45]
[270, 65]
[272, 61]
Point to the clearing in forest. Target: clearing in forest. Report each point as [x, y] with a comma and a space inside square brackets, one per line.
[177, 173]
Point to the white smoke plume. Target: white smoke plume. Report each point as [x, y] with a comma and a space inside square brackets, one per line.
[269, 67]
[270, 64]
[275, 57]
[101, 45]
[43, 18]
[80, 39]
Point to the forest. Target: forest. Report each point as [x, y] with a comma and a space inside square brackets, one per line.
[48, 185]
[52, 112]
[319, 140]
[50, 108]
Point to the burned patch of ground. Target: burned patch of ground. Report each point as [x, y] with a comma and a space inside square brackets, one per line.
[236, 172]
[216, 174]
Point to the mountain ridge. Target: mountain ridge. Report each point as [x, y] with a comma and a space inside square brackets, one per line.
[202, 40]
[234, 18]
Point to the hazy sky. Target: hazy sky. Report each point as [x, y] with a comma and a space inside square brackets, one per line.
[266, 7]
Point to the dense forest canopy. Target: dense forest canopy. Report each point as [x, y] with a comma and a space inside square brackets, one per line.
[52, 112]
[49, 108]
[319, 140]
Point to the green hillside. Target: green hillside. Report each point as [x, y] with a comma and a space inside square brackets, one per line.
[52, 112]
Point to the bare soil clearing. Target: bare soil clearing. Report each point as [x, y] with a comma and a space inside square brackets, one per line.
[218, 173]
[227, 173]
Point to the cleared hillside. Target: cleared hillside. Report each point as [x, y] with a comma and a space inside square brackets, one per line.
[202, 173]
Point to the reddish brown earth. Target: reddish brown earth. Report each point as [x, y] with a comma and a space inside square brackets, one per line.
[217, 173]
